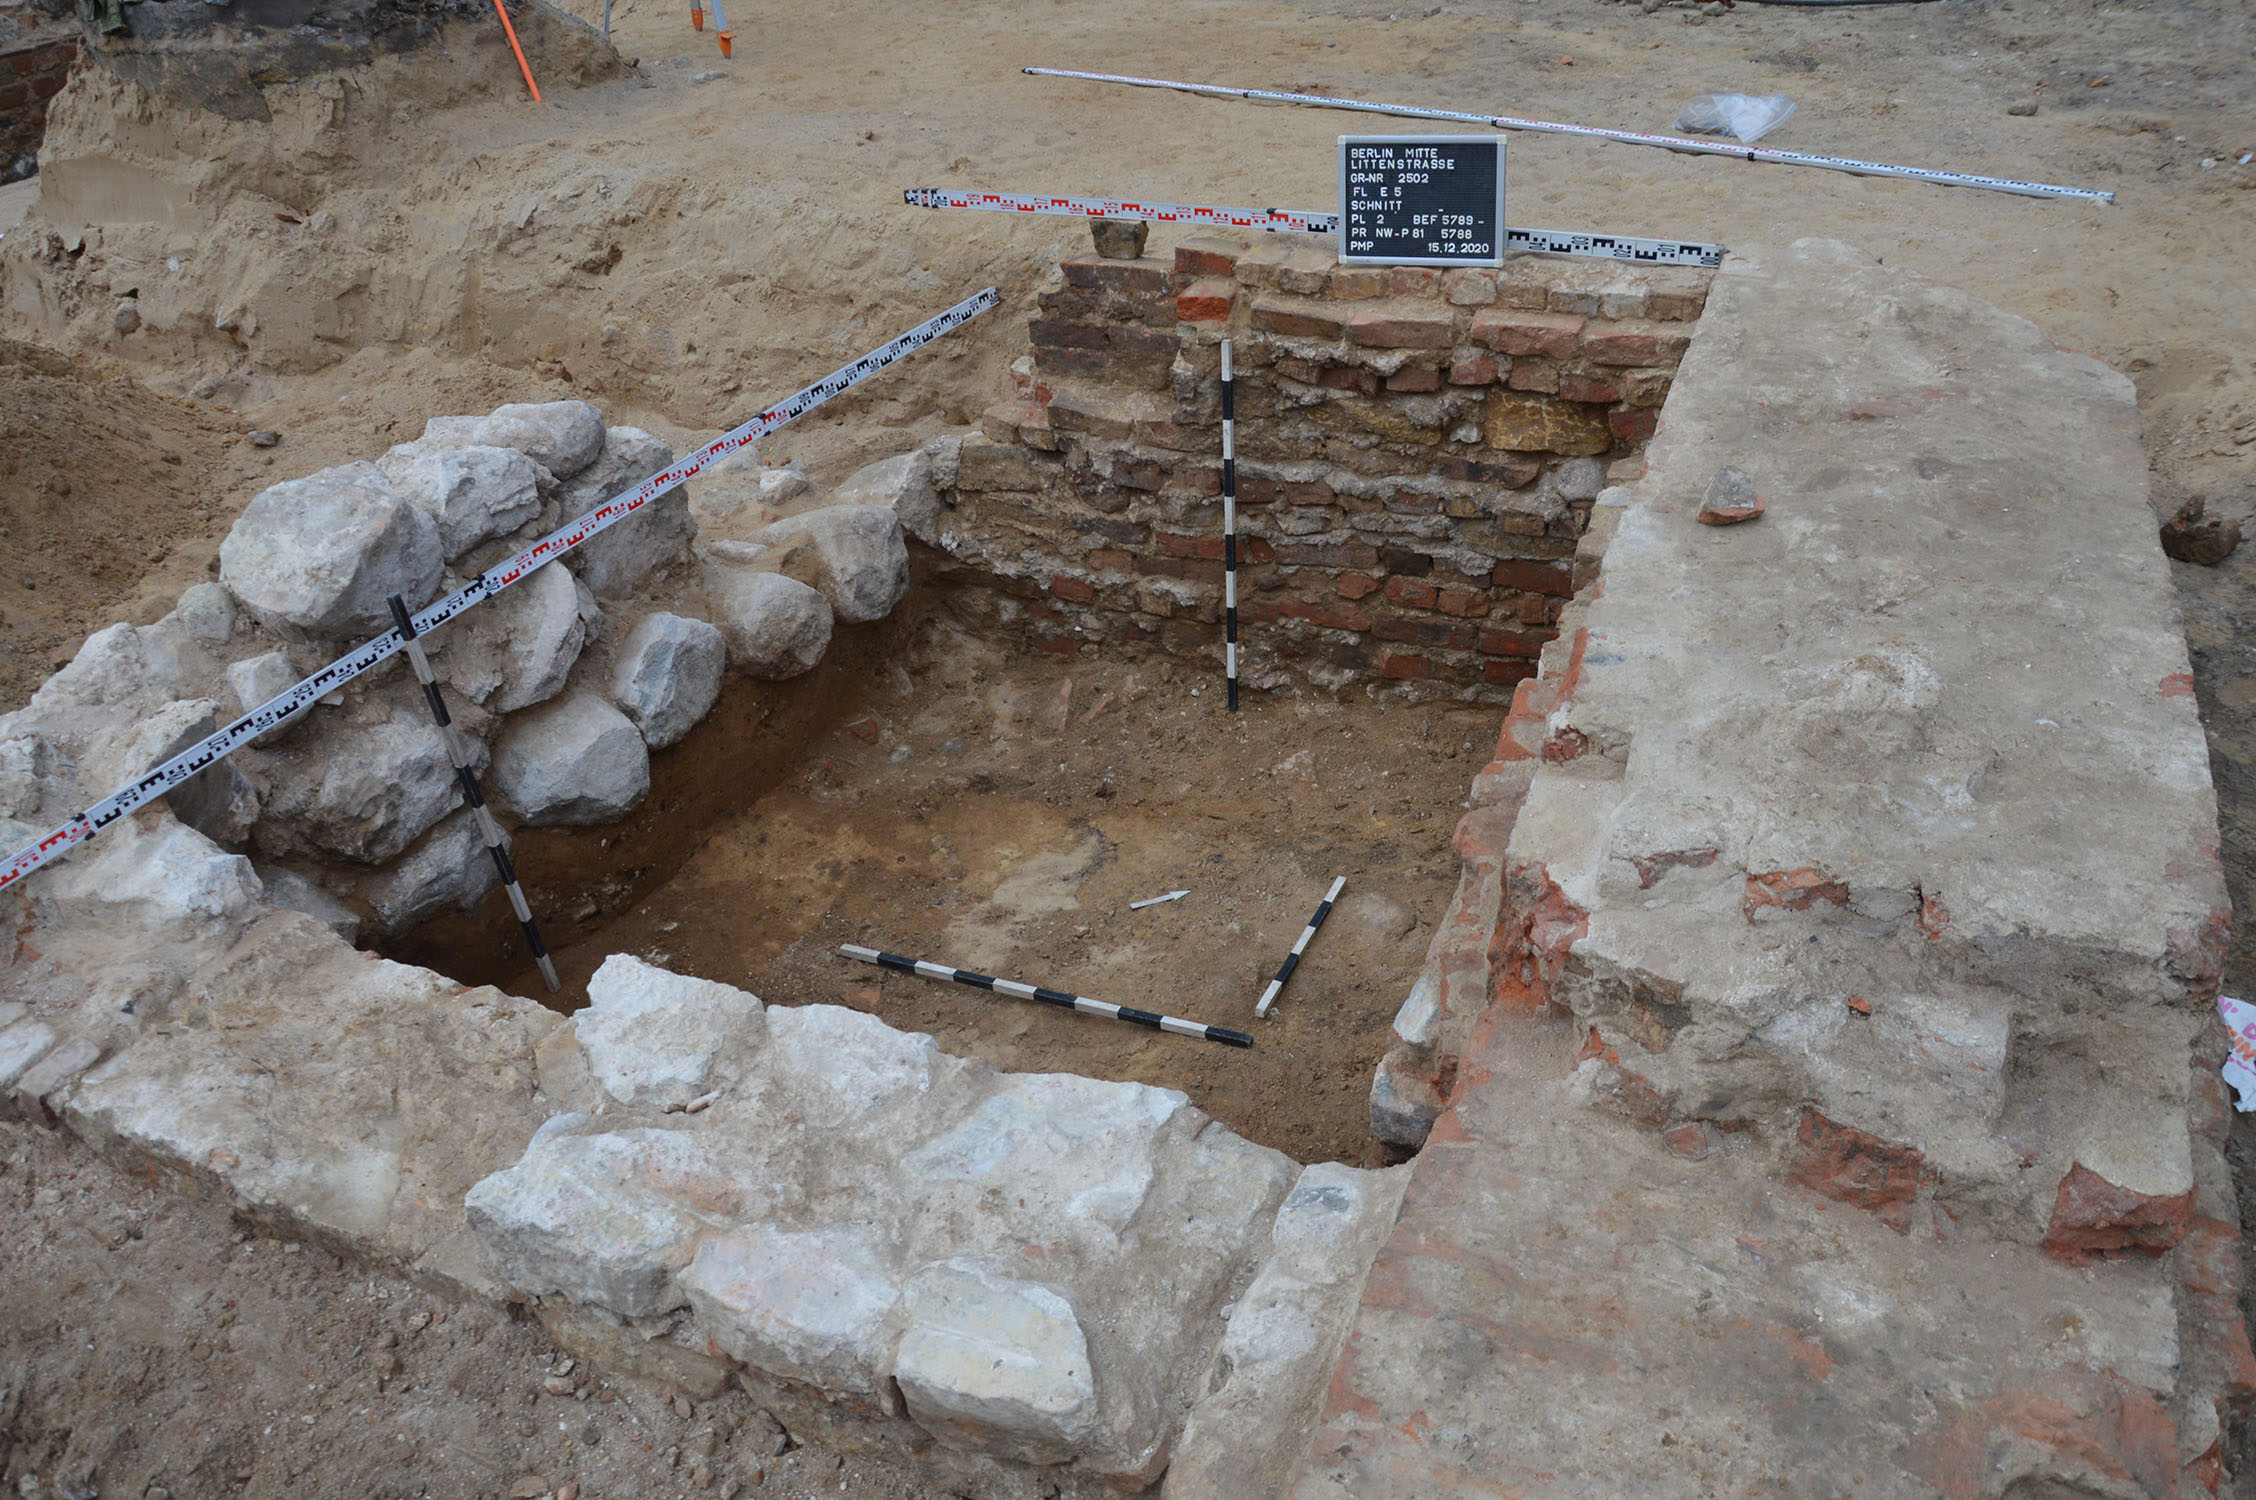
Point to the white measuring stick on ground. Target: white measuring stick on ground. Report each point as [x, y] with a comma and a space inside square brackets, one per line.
[1174, 1024]
[344, 669]
[1157, 900]
[1292, 959]
[1594, 132]
[1294, 221]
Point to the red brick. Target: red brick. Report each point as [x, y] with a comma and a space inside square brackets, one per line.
[1586, 388]
[1197, 261]
[1143, 474]
[1356, 283]
[1466, 604]
[1111, 560]
[1469, 287]
[1350, 378]
[1633, 426]
[1676, 307]
[1533, 610]
[1415, 592]
[1634, 342]
[1175, 544]
[1508, 671]
[1206, 301]
[1402, 560]
[14, 95]
[1855, 1168]
[1414, 378]
[1479, 370]
[1500, 642]
[1511, 473]
[2093, 1219]
[1403, 328]
[1413, 281]
[1360, 556]
[1539, 375]
[1330, 616]
[1791, 890]
[48, 87]
[1534, 577]
[1115, 275]
[1073, 590]
[1356, 585]
[1256, 491]
[1413, 503]
[1409, 630]
[1403, 668]
[1551, 335]
[1190, 569]
[1297, 318]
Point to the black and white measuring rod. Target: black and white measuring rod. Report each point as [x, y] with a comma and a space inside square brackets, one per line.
[1594, 132]
[284, 705]
[1229, 526]
[1293, 221]
[1292, 959]
[466, 772]
[1059, 998]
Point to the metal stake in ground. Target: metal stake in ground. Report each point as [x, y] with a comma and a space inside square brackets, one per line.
[463, 772]
[1060, 998]
[1229, 526]
[1292, 959]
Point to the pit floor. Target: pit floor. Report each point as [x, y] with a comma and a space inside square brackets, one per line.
[952, 798]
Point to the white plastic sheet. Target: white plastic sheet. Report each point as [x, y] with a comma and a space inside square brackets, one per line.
[2240, 1068]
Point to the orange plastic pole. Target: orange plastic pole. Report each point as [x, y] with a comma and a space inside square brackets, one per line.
[524, 66]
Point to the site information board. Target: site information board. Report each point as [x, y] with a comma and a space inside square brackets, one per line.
[1425, 200]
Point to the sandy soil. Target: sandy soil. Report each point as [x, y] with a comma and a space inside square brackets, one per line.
[940, 796]
[781, 250]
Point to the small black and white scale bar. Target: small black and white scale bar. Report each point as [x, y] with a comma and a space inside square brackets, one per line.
[293, 701]
[466, 772]
[1060, 998]
[1229, 526]
[1292, 959]
[1293, 221]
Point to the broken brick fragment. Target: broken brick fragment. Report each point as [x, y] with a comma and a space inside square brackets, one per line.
[1853, 1167]
[2094, 1219]
[1792, 890]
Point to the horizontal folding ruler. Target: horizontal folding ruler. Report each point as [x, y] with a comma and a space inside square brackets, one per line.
[1627, 247]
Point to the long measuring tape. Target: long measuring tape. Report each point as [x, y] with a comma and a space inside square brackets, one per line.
[1293, 221]
[548, 549]
[1594, 132]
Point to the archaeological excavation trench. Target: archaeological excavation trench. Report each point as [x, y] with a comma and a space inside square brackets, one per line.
[1764, 1046]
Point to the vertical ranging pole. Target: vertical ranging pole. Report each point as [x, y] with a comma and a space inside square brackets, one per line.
[1229, 526]
[460, 755]
[1292, 959]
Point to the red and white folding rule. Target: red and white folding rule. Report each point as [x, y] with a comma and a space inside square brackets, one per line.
[1628, 247]
[548, 549]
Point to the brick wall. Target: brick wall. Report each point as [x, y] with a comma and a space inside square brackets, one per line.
[29, 77]
[1417, 455]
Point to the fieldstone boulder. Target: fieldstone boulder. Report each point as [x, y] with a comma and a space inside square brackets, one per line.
[362, 785]
[775, 627]
[903, 485]
[471, 494]
[219, 801]
[576, 760]
[616, 562]
[854, 554]
[293, 892]
[812, 1306]
[319, 555]
[206, 611]
[990, 1364]
[256, 679]
[447, 870]
[656, 1040]
[668, 675]
[591, 1217]
[563, 437]
[517, 649]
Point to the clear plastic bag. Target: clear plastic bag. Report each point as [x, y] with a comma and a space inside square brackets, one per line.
[1746, 116]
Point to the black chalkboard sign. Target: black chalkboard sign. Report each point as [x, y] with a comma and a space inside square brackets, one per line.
[1422, 200]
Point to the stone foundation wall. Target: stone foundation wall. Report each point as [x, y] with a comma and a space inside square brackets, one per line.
[1418, 451]
[29, 77]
